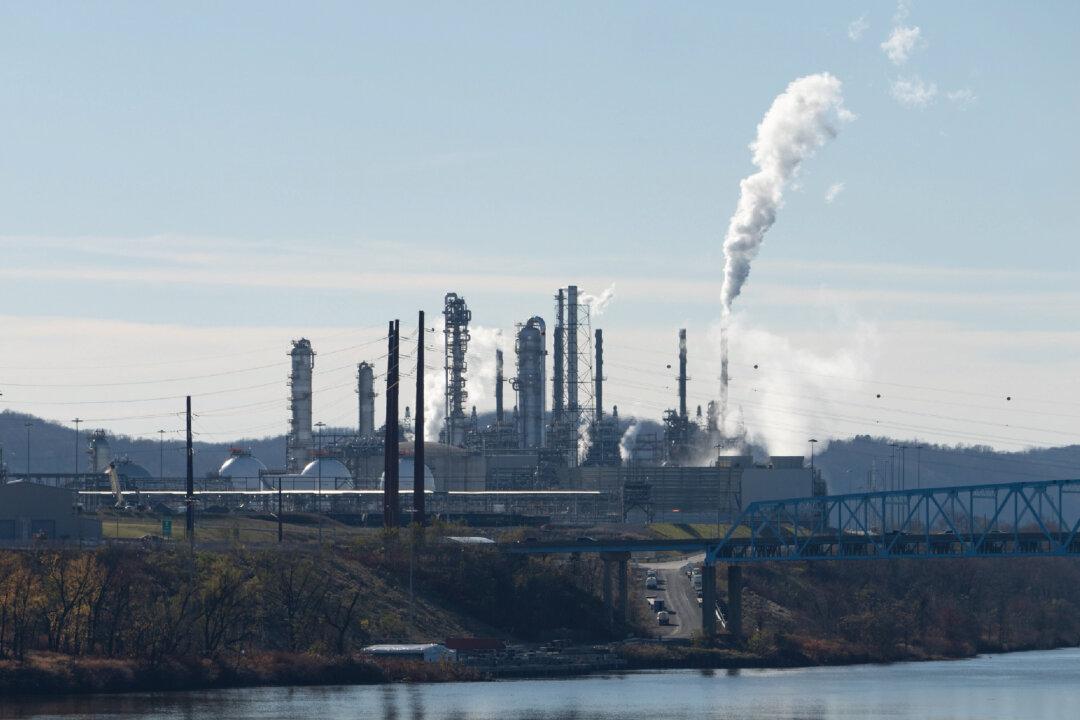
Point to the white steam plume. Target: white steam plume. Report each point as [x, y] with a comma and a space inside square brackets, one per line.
[479, 380]
[801, 119]
[628, 442]
[598, 303]
[784, 392]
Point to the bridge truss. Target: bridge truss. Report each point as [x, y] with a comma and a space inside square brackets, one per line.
[1016, 519]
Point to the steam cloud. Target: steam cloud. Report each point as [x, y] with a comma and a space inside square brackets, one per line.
[802, 118]
[598, 303]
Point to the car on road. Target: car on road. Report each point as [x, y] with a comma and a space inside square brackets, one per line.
[650, 583]
[662, 618]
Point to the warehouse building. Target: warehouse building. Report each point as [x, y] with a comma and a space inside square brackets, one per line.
[29, 511]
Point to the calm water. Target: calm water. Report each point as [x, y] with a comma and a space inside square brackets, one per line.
[1035, 686]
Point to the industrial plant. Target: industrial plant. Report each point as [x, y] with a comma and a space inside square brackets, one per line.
[551, 451]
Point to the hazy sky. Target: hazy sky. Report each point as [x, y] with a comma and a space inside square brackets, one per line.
[186, 187]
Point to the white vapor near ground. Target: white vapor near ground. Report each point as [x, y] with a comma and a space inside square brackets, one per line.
[479, 380]
[784, 393]
[801, 119]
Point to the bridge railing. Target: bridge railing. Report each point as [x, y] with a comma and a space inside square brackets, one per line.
[992, 520]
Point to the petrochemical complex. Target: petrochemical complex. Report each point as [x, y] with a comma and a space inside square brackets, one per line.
[573, 460]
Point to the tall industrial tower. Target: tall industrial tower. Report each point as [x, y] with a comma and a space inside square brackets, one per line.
[299, 444]
[573, 350]
[456, 317]
[365, 390]
[530, 383]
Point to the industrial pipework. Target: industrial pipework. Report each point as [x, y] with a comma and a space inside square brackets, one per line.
[456, 317]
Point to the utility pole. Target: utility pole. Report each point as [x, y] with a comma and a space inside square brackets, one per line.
[161, 457]
[77, 421]
[419, 499]
[28, 425]
[319, 459]
[280, 533]
[391, 436]
[918, 466]
[190, 527]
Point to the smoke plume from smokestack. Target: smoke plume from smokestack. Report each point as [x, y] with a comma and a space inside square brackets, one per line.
[801, 119]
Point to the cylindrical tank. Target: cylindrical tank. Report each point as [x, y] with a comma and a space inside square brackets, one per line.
[299, 442]
[530, 382]
[365, 388]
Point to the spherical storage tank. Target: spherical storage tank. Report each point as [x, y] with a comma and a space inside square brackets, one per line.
[243, 470]
[131, 471]
[405, 476]
[331, 471]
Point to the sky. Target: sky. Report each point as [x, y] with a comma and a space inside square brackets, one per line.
[185, 188]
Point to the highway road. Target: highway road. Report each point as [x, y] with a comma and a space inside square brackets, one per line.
[678, 595]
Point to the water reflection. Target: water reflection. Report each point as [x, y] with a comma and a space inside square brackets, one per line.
[1040, 686]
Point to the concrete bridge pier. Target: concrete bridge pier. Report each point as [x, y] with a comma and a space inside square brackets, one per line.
[621, 562]
[708, 599]
[624, 592]
[734, 618]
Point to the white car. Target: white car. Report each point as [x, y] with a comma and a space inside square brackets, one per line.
[650, 583]
[662, 618]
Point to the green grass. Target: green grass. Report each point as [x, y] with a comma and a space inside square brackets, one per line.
[694, 531]
[116, 525]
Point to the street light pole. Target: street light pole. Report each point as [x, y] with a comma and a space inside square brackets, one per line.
[812, 441]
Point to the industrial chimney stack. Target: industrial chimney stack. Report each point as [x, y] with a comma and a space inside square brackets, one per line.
[365, 389]
[682, 373]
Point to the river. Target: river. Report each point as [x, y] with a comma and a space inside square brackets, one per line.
[1032, 686]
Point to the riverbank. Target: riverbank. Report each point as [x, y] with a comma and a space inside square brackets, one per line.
[52, 674]
[49, 674]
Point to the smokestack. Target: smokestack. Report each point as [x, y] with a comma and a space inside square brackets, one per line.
[682, 373]
[572, 351]
[723, 375]
[560, 335]
[419, 509]
[599, 375]
[499, 386]
[365, 389]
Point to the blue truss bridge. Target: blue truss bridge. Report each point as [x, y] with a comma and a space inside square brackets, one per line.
[1008, 520]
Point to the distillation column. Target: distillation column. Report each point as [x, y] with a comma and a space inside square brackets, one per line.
[530, 382]
[299, 443]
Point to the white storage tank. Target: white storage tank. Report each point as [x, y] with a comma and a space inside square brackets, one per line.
[243, 470]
